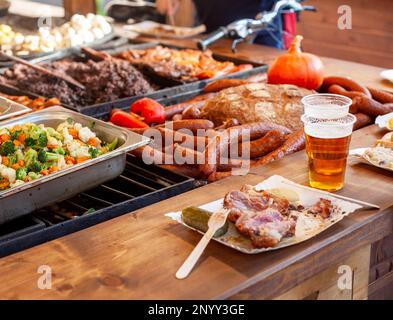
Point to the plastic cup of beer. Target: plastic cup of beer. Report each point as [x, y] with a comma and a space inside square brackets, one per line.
[327, 143]
[326, 105]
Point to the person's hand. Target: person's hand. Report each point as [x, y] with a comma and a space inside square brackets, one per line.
[167, 7]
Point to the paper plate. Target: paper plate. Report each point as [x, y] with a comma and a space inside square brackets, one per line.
[306, 228]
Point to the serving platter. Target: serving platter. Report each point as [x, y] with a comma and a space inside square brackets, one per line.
[155, 29]
[360, 155]
[306, 228]
[9, 109]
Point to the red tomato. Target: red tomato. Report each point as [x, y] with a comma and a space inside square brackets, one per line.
[151, 111]
[127, 120]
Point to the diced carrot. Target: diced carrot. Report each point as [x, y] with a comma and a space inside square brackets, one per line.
[51, 146]
[5, 137]
[82, 159]
[21, 163]
[22, 138]
[44, 172]
[4, 184]
[92, 142]
[69, 160]
[53, 169]
[73, 133]
[16, 128]
[17, 143]
[5, 161]
[15, 166]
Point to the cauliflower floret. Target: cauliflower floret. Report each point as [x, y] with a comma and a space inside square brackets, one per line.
[17, 183]
[61, 164]
[54, 142]
[77, 126]
[72, 147]
[67, 137]
[63, 125]
[9, 174]
[82, 152]
[85, 134]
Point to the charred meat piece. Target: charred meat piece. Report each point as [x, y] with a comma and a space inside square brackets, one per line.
[266, 228]
[105, 81]
[323, 208]
[185, 65]
[261, 216]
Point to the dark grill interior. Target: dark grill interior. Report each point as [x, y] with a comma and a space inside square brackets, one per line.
[138, 186]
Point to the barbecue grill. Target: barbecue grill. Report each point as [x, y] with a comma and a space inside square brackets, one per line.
[138, 186]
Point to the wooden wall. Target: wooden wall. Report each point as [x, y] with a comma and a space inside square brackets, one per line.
[370, 41]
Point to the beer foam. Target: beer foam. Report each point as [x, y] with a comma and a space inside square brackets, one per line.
[328, 131]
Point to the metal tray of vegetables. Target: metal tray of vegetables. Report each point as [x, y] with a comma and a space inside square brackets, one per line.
[54, 154]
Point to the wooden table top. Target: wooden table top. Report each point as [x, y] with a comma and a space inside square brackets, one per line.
[137, 255]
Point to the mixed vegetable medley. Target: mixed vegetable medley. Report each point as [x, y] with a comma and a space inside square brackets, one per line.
[30, 151]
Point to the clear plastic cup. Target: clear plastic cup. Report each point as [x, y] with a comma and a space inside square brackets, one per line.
[326, 106]
[327, 144]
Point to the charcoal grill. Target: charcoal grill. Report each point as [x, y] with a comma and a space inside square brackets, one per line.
[138, 186]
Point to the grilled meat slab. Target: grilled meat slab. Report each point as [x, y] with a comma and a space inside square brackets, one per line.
[261, 216]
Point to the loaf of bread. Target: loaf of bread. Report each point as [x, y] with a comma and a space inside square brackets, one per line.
[279, 104]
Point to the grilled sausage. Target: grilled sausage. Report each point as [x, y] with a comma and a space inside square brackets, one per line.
[233, 164]
[337, 89]
[362, 120]
[259, 129]
[294, 143]
[370, 106]
[193, 125]
[217, 176]
[346, 83]
[192, 112]
[177, 117]
[198, 102]
[262, 146]
[228, 124]
[222, 84]
[189, 141]
[381, 95]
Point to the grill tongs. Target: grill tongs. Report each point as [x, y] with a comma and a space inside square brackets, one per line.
[241, 29]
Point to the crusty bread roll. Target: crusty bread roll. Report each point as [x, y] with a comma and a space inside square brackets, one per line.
[280, 104]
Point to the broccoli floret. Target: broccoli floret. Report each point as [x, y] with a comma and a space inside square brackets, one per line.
[53, 133]
[15, 135]
[7, 148]
[42, 140]
[113, 145]
[30, 157]
[34, 176]
[29, 142]
[45, 156]
[94, 152]
[12, 159]
[35, 132]
[36, 167]
[21, 174]
[59, 150]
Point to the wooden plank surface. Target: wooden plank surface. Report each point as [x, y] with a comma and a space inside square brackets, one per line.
[137, 255]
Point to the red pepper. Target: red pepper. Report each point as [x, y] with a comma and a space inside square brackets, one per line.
[127, 120]
[151, 111]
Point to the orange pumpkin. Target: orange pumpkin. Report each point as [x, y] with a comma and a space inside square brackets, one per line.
[296, 67]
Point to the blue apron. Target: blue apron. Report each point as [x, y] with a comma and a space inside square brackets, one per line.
[218, 13]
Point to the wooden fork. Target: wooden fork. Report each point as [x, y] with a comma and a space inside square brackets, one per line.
[216, 221]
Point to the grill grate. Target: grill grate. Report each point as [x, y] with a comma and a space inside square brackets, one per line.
[138, 186]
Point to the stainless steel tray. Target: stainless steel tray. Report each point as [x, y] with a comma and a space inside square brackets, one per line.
[66, 183]
[9, 109]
